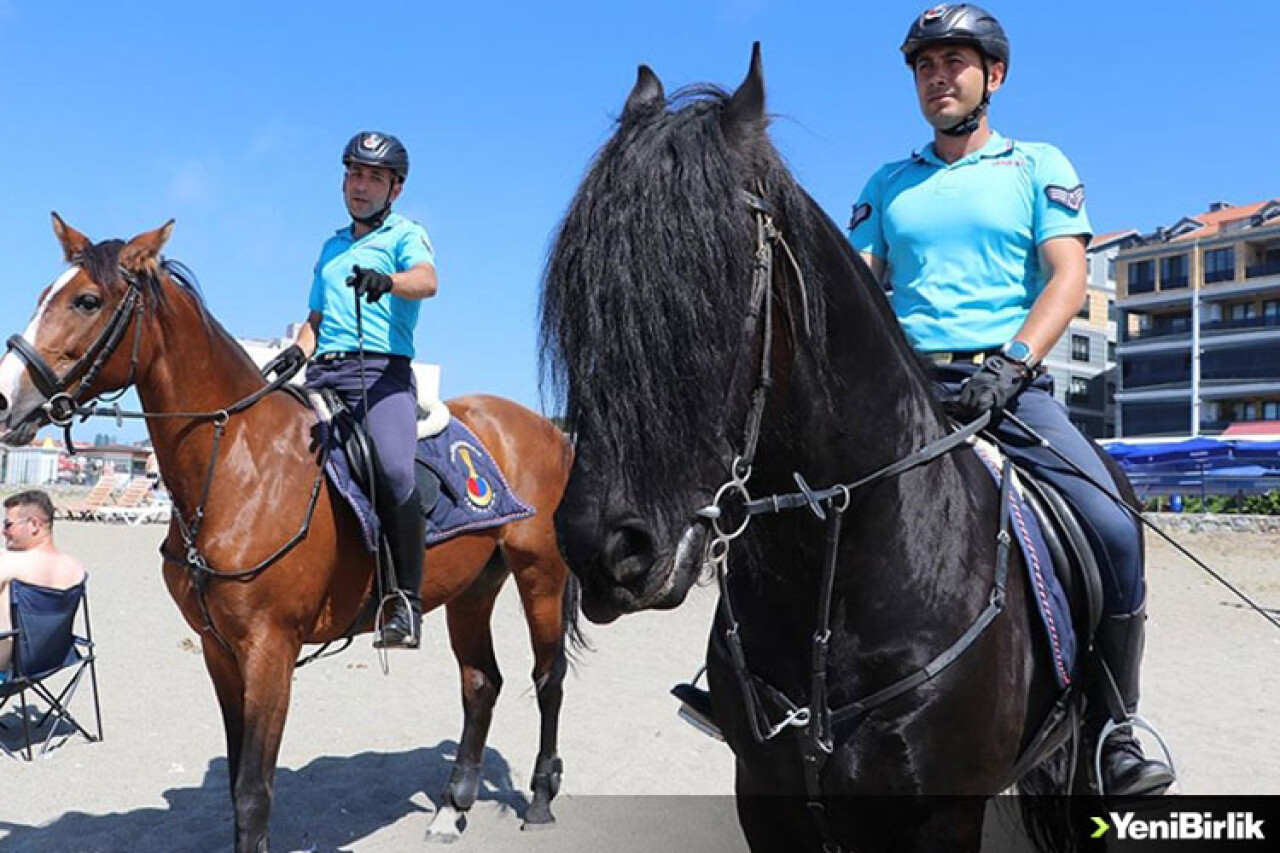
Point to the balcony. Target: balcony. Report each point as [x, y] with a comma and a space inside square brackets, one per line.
[1219, 275]
[1157, 379]
[1154, 333]
[1265, 322]
[1173, 282]
[1141, 286]
[1261, 270]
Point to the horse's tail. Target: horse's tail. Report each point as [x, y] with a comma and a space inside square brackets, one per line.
[1056, 821]
[575, 641]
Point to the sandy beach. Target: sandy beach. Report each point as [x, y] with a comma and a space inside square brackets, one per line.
[366, 755]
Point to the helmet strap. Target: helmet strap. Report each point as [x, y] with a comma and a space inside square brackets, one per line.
[374, 221]
[973, 120]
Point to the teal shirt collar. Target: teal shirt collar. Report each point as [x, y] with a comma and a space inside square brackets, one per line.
[997, 146]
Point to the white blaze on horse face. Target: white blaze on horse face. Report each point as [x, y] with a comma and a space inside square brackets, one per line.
[15, 382]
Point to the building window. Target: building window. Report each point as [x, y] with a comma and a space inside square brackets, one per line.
[1111, 310]
[1219, 265]
[1271, 410]
[1173, 272]
[1084, 309]
[1242, 311]
[1078, 390]
[1111, 350]
[1079, 348]
[1111, 268]
[1142, 277]
[1271, 309]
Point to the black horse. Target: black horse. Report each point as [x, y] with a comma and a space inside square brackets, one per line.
[714, 338]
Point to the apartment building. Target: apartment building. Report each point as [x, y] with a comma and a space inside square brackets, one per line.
[1083, 363]
[1199, 323]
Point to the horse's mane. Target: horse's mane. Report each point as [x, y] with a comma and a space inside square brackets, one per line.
[647, 283]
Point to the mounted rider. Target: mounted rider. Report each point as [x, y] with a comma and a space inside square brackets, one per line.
[386, 260]
[981, 240]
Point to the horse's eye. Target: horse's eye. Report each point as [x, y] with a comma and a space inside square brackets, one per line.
[87, 302]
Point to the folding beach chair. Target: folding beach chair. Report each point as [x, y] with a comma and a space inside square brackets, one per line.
[49, 660]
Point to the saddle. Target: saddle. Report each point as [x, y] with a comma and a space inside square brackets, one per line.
[1076, 570]
[352, 436]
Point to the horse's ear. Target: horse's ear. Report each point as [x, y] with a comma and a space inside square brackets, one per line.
[73, 242]
[141, 252]
[647, 96]
[744, 116]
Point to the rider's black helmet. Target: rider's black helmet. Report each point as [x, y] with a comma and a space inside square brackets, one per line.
[377, 149]
[957, 23]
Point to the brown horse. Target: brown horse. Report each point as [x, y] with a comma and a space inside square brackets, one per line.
[121, 315]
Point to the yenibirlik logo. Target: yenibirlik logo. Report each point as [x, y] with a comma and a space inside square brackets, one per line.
[1182, 826]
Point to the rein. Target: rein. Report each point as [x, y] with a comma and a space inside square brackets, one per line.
[61, 406]
[828, 505]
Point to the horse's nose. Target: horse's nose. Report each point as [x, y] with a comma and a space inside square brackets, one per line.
[4, 406]
[628, 551]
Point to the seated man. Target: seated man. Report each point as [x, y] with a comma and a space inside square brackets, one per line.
[31, 556]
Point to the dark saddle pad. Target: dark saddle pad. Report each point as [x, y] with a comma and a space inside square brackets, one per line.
[459, 483]
[1061, 567]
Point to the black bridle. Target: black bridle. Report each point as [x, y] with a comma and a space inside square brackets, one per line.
[62, 405]
[817, 718]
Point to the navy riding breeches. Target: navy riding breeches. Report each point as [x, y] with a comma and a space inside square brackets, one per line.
[1112, 532]
[392, 419]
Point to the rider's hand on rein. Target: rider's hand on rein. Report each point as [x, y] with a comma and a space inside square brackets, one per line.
[993, 387]
[285, 364]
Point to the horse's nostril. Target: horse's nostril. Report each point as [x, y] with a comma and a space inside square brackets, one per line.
[4, 404]
[628, 551]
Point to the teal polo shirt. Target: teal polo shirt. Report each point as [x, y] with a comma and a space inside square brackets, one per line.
[396, 246]
[961, 239]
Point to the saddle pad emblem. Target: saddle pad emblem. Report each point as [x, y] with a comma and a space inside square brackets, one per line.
[479, 492]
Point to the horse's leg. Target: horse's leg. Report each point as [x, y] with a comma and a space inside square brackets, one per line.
[540, 577]
[267, 673]
[468, 617]
[229, 687]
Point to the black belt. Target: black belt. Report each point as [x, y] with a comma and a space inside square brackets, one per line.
[332, 357]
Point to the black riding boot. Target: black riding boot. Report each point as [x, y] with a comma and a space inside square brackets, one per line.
[402, 612]
[1126, 771]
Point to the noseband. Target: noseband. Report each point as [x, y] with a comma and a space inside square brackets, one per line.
[60, 404]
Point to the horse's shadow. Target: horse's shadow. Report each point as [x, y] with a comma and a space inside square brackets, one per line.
[326, 806]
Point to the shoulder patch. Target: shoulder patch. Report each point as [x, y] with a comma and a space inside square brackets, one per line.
[1072, 199]
[861, 213]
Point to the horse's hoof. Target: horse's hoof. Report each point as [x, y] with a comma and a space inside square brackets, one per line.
[538, 826]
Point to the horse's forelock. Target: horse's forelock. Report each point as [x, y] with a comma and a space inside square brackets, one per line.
[647, 284]
[101, 262]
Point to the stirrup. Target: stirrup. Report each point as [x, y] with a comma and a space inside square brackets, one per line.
[383, 619]
[695, 707]
[1131, 722]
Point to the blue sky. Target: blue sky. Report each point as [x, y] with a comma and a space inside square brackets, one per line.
[230, 117]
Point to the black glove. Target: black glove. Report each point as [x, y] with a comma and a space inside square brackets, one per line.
[368, 283]
[286, 363]
[993, 387]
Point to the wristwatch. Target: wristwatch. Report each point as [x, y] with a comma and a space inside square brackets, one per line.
[1018, 351]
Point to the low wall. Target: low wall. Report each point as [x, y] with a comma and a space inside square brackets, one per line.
[1188, 522]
